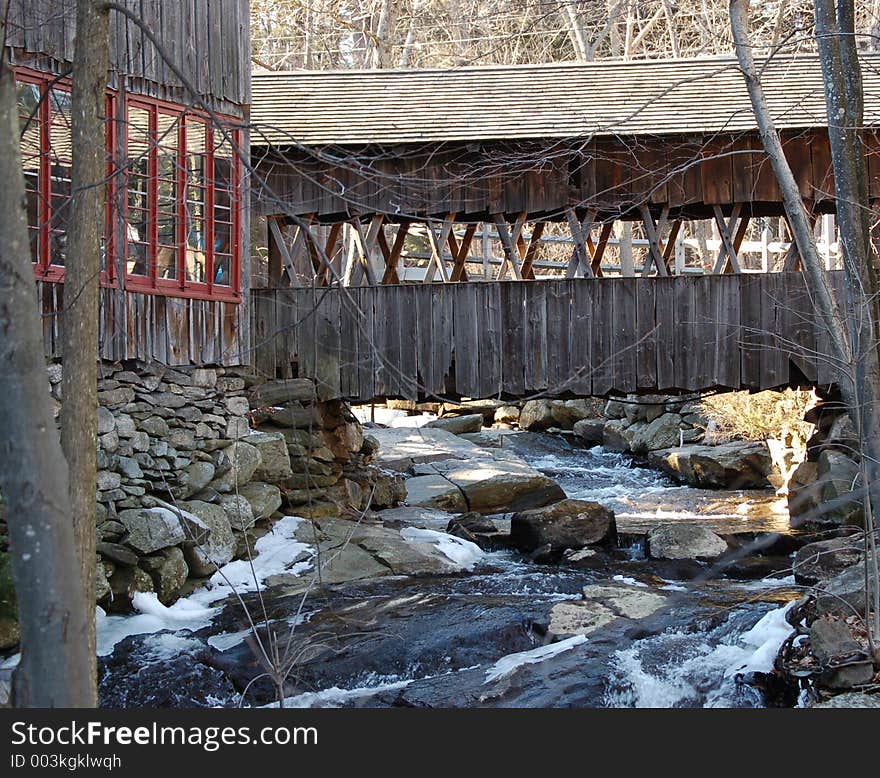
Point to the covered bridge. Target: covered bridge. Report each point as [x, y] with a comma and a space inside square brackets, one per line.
[519, 159]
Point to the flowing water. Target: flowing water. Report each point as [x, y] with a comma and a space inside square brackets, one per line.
[479, 638]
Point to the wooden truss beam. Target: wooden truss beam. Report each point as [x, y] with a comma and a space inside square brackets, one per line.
[793, 256]
[653, 230]
[392, 256]
[460, 252]
[583, 256]
[509, 240]
[279, 244]
[437, 240]
[732, 232]
[528, 256]
[363, 265]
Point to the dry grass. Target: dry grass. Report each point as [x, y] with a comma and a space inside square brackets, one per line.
[759, 416]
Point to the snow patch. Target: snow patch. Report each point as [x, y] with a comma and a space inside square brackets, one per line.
[629, 581]
[272, 555]
[461, 552]
[507, 664]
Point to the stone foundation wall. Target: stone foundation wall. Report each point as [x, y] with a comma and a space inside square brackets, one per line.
[193, 465]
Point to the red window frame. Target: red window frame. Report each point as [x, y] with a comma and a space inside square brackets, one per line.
[118, 182]
[181, 286]
[44, 270]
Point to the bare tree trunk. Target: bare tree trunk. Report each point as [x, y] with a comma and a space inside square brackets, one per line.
[578, 33]
[835, 35]
[854, 342]
[381, 43]
[822, 292]
[53, 617]
[79, 384]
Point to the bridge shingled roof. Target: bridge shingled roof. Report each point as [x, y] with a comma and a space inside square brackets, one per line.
[552, 101]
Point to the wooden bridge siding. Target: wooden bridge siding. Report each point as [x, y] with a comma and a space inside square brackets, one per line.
[614, 176]
[581, 337]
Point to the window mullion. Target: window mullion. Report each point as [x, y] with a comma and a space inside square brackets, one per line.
[210, 180]
[153, 196]
[180, 202]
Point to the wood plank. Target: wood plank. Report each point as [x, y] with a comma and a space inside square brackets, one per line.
[349, 321]
[726, 304]
[535, 355]
[750, 330]
[442, 337]
[513, 337]
[559, 332]
[466, 333]
[490, 334]
[601, 334]
[646, 334]
[686, 362]
[664, 307]
[581, 360]
[409, 340]
[367, 364]
[624, 334]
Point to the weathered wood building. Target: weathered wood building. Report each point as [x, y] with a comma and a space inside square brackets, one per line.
[174, 287]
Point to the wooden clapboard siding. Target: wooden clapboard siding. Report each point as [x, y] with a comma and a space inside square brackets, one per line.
[578, 337]
[208, 41]
[168, 330]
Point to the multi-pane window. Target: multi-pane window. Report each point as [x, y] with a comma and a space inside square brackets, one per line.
[176, 228]
[182, 217]
[44, 126]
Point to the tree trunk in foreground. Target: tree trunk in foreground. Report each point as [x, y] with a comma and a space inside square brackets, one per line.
[841, 72]
[853, 329]
[79, 320]
[53, 617]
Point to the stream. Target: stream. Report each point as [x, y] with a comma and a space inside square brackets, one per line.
[480, 637]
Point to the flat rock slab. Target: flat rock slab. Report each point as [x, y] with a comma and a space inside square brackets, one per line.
[352, 551]
[435, 491]
[601, 605]
[489, 480]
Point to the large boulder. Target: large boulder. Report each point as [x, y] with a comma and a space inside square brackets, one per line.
[736, 465]
[238, 511]
[501, 482]
[124, 584]
[566, 524]
[590, 431]
[618, 435]
[169, 572]
[684, 541]
[459, 425]
[151, 529]
[194, 478]
[844, 594]
[662, 432]
[240, 461]
[566, 413]
[274, 457]
[840, 479]
[822, 561]
[506, 414]
[218, 548]
[536, 415]
[845, 663]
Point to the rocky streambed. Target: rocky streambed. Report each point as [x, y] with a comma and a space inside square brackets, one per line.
[392, 610]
